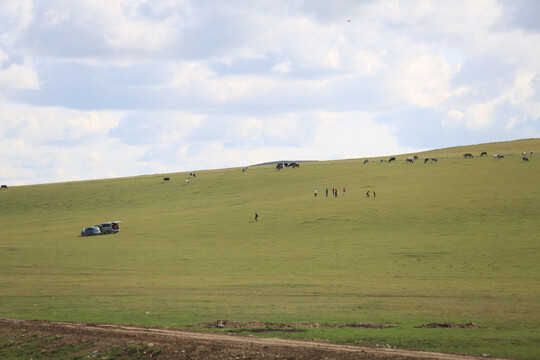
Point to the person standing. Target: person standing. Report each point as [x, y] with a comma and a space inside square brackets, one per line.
[315, 192]
[256, 217]
[343, 191]
[326, 192]
[367, 193]
[374, 193]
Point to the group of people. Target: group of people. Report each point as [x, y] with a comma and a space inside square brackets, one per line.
[335, 192]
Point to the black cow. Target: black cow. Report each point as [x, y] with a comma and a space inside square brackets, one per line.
[467, 155]
[367, 161]
[392, 159]
[426, 160]
[166, 179]
[409, 159]
[4, 187]
[279, 166]
[525, 159]
[484, 153]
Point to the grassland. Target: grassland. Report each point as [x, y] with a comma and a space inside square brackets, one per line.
[453, 241]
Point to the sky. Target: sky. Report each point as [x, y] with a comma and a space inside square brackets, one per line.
[93, 89]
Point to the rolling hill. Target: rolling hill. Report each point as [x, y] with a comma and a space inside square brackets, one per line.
[452, 241]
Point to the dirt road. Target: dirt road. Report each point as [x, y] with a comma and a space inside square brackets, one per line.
[98, 341]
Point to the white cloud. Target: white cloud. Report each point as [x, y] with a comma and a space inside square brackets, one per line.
[54, 17]
[283, 67]
[453, 118]
[16, 77]
[45, 124]
[425, 80]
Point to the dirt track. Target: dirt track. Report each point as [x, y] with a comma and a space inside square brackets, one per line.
[185, 344]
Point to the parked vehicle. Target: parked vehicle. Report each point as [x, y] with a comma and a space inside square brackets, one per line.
[91, 230]
[111, 227]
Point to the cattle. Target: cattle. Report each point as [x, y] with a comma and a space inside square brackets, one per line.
[392, 159]
[525, 159]
[484, 153]
[415, 157]
[410, 159]
[192, 174]
[367, 161]
[531, 153]
[166, 179]
[430, 159]
[244, 169]
[524, 153]
[279, 166]
[187, 181]
[434, 160]
[382, 160]
[468, 155]
[4, 187]
[497, 156]
[426, 160]
[294, 165]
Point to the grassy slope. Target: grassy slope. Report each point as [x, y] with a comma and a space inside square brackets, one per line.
[463, 235]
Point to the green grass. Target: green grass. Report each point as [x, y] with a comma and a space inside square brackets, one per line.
[39, 347]
[462, 235]
[36, 347]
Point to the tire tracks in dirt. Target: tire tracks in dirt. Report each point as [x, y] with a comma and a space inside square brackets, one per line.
[273, 347]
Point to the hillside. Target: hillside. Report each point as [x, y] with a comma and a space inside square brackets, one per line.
[451, 241]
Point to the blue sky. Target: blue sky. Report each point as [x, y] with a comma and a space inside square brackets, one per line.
[93, 89]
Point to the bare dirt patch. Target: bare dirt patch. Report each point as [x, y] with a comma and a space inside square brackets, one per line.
[469, 325]
[107, 341]
[228, 324]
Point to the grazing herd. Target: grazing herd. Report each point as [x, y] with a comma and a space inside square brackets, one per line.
[410, 159]
[293, 165]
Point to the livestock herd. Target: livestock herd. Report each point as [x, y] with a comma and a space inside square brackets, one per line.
[412, 159]
[293, 165]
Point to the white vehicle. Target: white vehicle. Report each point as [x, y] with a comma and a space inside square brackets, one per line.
[110, 227]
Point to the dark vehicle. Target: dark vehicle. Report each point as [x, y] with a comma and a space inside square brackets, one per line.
[91, 230]
[110, 227]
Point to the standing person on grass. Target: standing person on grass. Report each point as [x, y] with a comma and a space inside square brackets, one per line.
[256, 217]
